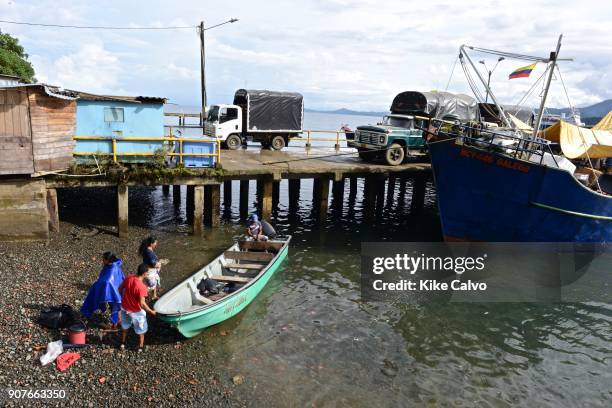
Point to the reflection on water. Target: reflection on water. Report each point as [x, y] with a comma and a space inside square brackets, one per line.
[309, 340]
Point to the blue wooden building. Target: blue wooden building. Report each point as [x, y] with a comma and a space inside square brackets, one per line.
[119, 117]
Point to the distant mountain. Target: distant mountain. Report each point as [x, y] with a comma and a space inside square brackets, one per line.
[344, 111]
[597, 110]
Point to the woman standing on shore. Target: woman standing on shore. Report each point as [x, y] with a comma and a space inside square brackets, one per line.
[105, 289]
[149, 258]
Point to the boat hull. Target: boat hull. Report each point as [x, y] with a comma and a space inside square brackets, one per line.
[193, 323]
[485, 196]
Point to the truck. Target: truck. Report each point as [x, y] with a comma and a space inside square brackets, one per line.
[400, 133]
[268, 117]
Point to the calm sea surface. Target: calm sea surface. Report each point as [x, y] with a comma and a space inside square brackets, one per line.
[308, 339]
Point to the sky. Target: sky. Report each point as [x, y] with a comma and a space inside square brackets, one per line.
[354, 54]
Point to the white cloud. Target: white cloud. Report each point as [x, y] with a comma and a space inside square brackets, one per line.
[339, 53]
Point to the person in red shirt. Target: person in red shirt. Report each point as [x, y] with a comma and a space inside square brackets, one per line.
[134, 308]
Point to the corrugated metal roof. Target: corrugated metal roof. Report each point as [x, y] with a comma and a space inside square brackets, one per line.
[54, 91]
[131, 99]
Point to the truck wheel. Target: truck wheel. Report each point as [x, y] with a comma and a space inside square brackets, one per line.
[233, 142]
[278, 142]
[394, 155]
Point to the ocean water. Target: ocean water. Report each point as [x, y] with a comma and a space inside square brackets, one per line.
[310, 340]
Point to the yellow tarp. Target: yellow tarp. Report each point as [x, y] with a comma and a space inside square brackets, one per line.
[605, 123]
[520, 124]
[578, 142]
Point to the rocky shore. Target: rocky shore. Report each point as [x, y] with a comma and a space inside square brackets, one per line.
[169, 372]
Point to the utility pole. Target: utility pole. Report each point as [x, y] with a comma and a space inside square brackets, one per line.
[202, 74]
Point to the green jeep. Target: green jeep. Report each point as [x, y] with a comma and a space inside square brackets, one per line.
[392, 139]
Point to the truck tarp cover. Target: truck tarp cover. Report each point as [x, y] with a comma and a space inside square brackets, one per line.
[436, 105]
[270, 110]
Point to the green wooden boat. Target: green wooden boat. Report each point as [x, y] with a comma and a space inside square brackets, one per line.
[247, 263]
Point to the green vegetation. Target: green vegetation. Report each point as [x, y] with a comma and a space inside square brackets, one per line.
[14, 60]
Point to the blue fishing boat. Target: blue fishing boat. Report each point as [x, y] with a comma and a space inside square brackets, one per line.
[507, 185]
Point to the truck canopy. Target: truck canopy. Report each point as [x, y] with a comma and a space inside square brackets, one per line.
[490, 113]
[436, 104]
[271, 110]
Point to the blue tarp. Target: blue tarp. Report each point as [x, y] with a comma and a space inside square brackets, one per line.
[105, 290]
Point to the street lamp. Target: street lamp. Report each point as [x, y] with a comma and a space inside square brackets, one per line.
[500, 59]
[201, 30]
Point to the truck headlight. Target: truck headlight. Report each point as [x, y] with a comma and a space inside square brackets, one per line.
[382, 140]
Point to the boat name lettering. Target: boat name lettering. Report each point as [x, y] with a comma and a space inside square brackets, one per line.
[490, 159]
[232, 306]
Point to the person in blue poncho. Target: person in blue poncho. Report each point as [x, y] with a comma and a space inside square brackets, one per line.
[105, 290]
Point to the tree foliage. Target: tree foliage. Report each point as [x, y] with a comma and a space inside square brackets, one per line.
[14, 60]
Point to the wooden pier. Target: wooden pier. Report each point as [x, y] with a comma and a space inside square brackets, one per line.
[324, 166]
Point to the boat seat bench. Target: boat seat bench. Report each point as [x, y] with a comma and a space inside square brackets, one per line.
[236, 279]
[249, 256]
[195, 294]
[244, 266]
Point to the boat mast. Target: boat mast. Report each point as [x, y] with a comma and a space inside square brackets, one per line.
[553, 61]
[487, 87]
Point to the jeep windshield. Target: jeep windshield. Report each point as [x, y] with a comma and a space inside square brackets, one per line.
[213, 114]
[397, 121]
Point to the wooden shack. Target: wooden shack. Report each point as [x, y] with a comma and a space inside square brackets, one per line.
[37, 123]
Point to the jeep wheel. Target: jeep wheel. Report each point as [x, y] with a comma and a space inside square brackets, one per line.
[394, 155]
[278, 142]
[233, 142]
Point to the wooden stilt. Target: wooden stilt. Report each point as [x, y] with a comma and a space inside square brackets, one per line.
[212, 203]
[244, 198]
[369, 198]
[52, 209]
[198, 210]
[275, 194]
[321, 197]
[266, 197]
[227, 193]
[338, 195]
[418, 193]
[122, 211]
[166, 190]
[294, 194]
[189, 203]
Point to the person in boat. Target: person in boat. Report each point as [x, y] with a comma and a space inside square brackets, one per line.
[134, 307]
[149, 258]
[255, 229]
[105, 290]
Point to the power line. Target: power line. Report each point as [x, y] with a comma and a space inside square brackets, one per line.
[98, 27]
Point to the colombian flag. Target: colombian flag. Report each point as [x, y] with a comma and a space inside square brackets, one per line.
[522, 72]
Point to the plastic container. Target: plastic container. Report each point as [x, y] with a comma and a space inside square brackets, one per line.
[77, 332]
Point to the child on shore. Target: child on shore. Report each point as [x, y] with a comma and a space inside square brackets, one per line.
[149, 258]
[134, 307]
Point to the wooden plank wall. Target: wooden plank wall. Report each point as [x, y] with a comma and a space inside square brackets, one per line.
[53, 126]
[16, 155]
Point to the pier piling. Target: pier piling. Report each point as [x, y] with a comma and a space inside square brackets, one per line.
[227, 193]
[189, 203]
[176, 195]
[212, 204]
[418, 193]
[166, 190]
[198, 210]
[320, 196]
[369, 197]
[122, 211]
[338, 195]
[275, 195]
[244, 198]
[294, 194]
[52, 209]
[266, 197]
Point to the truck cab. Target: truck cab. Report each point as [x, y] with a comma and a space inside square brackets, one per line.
[224, 122]
[391, 139]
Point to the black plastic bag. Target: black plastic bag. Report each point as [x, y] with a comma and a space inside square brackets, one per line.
[58, 317]
[208, 286]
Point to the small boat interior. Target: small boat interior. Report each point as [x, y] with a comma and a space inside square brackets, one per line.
[234, 269]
